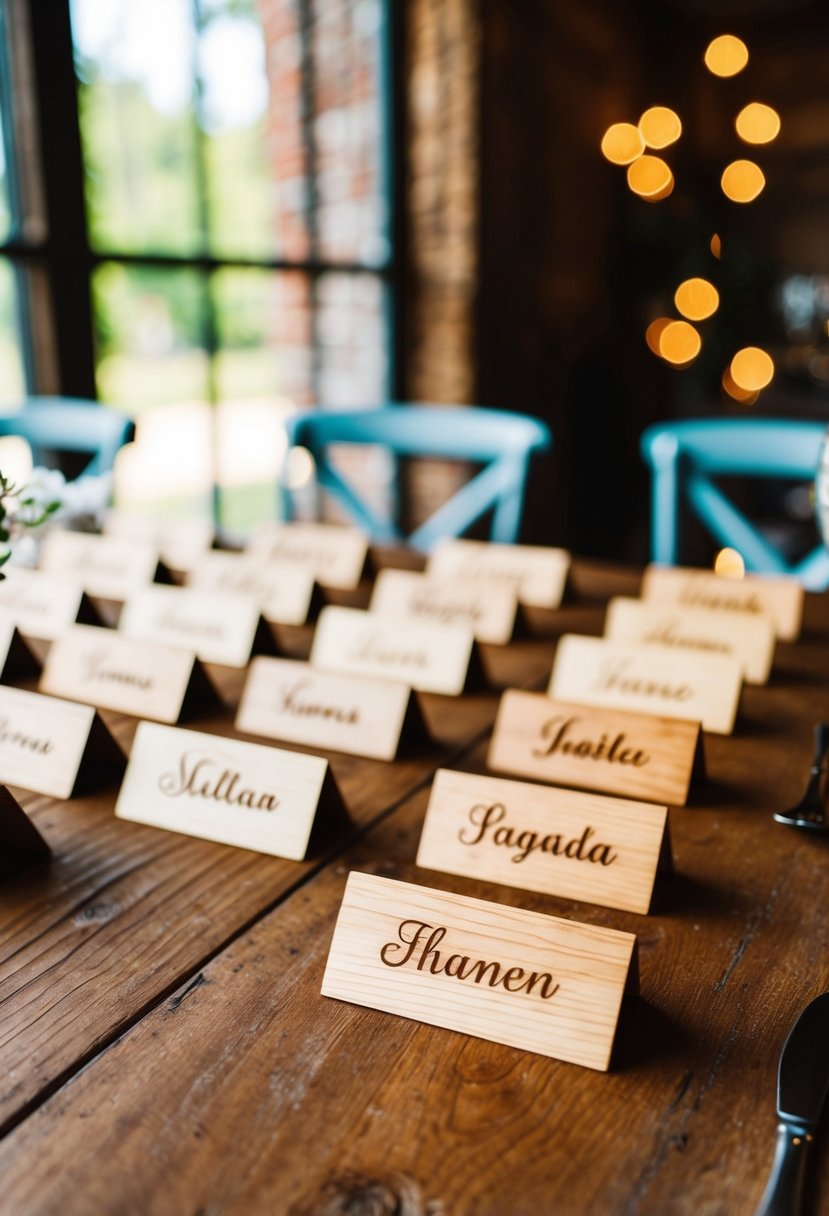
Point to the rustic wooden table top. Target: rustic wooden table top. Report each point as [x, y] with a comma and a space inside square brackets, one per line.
[164, 1048]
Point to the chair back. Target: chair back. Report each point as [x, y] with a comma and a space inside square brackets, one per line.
[686, 456]
[502, 442]
[70, 424]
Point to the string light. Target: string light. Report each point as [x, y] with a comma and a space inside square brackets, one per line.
[649, 177]
[726, 55]
[742, 181]
[679, 343]
[757, 123]
[752, 369]
[622, 143]
[696, 299]
[660, 126]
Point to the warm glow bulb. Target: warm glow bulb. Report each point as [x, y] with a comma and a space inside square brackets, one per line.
[696, 299]
[650, 177]
[742, 181]
[660, 127]
[752, 369]
[654, 332]
[679, 343]
[716, 245]
[729, 563]
[622, 143]
[757, 123]
[734, 390]
[726, 55]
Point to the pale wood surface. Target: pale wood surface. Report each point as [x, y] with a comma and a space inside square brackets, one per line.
[779, 598]
[282, 591]
[629, 754]
[335, 556]
[165, 1049]
[487, 608]
[538, 574]
[41, 605]
[648, 679]
[220, 626]
[747, 637]
[107, 566]
[581, 846]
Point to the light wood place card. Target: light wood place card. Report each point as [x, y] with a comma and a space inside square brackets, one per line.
[430, 658]
[43, 605]
[779, 598]
[219, 626]
[538, 983]
[243, 794]
[539, 574]
[747, 638]
[559, 842]
[488, 608]
[335, 556]
[614, 750]
[296, 703]
[54, 747]
[284, 592]
[21, 844]
[106, 566]
[623, 675]
[17, 661]
[112, 671]
[181, 542]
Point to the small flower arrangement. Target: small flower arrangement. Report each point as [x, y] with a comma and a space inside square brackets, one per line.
[21, 510]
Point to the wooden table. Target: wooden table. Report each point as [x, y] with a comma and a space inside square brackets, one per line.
[164, 1048]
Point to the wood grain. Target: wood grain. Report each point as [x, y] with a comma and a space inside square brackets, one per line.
[167, 998]
[779, 598]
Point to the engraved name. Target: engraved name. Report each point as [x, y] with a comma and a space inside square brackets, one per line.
[27, 743]
[556, 734]
[94, 668]
[201, 777]
[446, 611]
[729, 601]
[294, 702]
[418, 936]
[371, 647]
[613, 675]
[171, 618]
[667, 633]
[486, 821]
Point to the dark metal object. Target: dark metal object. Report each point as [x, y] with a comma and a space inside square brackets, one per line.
[810, 812]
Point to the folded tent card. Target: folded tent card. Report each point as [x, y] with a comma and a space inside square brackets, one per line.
[779, 598]
[21, 844]
[43, 605]
[538, 574]
[284, 592]
[487, 607]
[295, 702]
[335, 556]
[243, 794]
[538, 983]
[594, 748]
[108, 567]
[220, 626]
[181, 542]
[556, 841]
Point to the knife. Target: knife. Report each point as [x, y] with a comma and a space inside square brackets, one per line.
[802, 1081]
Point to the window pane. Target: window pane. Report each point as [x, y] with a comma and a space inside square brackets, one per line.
[349, 137]
[353, 339]
[135, 66]
[150, 329]
[242, 193]
[12, 374]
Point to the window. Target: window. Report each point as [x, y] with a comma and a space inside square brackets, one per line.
[235, 224]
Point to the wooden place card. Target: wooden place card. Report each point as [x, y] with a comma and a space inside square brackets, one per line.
[335, 556]
[244, 794]
[221, 627]
[54, 747]
[181, 543]
[749, 639]
[488, 608]
[21, 844]
[779, 598]
[560, 842]
[283, 592]
[105, 668]
[539, 574]
[636, 755]
[621, 675]
[297, 703]
[538, 983]
[430, 658]
[43, 605]
[17, 661]
[106, 566]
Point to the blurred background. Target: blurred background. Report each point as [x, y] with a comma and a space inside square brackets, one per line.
[213, 212]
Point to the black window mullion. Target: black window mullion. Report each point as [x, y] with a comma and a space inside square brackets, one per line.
[67, 242]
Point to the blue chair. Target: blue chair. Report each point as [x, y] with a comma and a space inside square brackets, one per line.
[502, 442]
[685, 457]
[69, 424]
